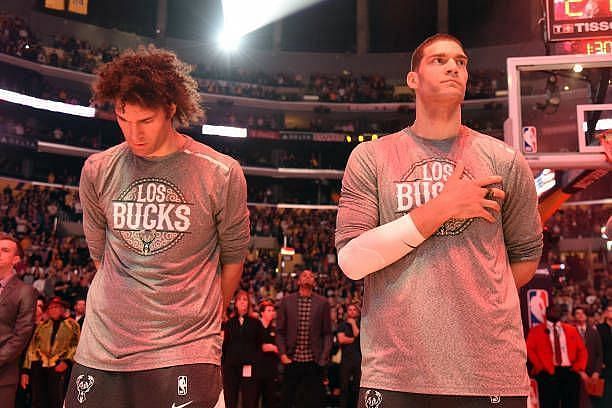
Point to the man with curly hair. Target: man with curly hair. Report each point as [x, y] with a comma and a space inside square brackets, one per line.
[167, 226]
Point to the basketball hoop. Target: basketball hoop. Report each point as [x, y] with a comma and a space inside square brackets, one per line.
[605, 138]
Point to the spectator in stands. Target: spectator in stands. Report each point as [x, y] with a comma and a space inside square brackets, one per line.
[40, 282]
[350, 366]
[304, 340]
[242, 344]
[78, 288]
[41, 315]
[17, 314]
[50, 356]
[267, 366]
[79, 311]
[559, 357]
[592, 341]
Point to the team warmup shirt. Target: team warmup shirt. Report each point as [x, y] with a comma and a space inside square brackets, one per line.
[159, 227]
[444, 319]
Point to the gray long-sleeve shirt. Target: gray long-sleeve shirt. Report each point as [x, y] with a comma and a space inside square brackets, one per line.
[160, 227]
[445, 318]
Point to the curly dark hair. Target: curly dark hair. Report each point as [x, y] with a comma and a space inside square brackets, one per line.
[151, 77]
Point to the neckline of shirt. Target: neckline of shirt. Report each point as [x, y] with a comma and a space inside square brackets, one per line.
[424, 140]
[188, 140]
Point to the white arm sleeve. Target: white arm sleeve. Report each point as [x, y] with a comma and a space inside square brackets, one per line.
[379, 247]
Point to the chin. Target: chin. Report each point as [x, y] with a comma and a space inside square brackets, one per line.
[450, 99]
[140, 151]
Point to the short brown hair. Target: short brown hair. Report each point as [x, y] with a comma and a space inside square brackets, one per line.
[7, 237]
[417, 54]
[150, 77]
[265, 303]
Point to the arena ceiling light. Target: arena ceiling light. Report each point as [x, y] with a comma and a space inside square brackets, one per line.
[228, 131]
[229, 41]
[53, 106]
[241, 17]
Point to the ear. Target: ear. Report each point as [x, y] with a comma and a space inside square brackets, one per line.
[412, 80]
[171, 110]
[16, 260]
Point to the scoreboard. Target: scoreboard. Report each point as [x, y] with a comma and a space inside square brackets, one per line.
[580, 20]
[599, 46]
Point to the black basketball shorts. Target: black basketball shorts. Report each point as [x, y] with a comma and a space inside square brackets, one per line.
[185, 386]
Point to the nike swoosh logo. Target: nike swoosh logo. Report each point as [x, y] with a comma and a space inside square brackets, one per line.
[182, 405]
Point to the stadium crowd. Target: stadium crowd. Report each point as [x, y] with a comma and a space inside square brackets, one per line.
[57, 263]
[18, 39]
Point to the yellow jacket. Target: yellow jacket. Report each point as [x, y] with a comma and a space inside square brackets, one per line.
[64, 347]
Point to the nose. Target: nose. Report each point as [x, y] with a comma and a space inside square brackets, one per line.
[132, 130]
[451, 66]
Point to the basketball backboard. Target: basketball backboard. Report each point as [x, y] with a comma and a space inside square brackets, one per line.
[557, 106]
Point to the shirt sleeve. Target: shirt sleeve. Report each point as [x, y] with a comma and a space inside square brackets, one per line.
[358, 205]
[520, 217]
[233, 218]
[94, 220]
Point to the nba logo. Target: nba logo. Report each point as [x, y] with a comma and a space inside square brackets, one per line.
[530, 139]
[182, 385]
[538, 302]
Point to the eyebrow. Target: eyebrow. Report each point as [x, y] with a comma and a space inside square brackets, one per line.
[460, 56]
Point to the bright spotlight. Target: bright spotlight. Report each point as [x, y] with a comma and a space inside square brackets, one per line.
[577, 68]
[241, 17]
[229, 40]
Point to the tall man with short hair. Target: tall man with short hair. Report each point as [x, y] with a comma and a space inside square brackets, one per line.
[167, 225]
[17, 314]
[442, 223]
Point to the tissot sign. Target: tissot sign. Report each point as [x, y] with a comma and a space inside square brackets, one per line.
[578, 19]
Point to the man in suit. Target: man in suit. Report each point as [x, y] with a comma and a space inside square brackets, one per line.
[605, 332]
[17, 312]
[304, 340]
[559, 359]
[592, 341]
